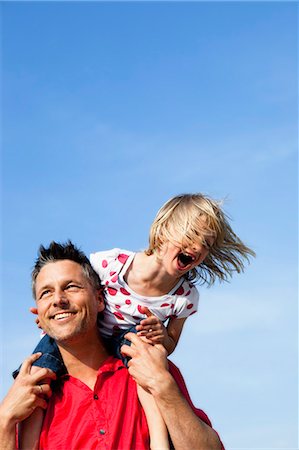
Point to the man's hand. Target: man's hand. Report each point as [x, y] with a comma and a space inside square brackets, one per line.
[152, 328]
[27, 393]
[148, 364]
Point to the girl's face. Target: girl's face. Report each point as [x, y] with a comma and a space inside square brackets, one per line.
[177, 261]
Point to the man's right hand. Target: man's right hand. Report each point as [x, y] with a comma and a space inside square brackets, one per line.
[28, 392]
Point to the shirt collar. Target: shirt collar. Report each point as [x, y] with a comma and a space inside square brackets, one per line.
[111, 364]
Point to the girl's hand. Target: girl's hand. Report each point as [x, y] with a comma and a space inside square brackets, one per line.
[152, 328]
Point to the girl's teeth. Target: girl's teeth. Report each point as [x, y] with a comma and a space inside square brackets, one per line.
[185, 259]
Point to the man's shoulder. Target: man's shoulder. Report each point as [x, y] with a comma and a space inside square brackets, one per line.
[176, 373]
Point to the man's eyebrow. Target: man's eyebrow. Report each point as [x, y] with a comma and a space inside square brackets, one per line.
[80, 283]
[72, 280]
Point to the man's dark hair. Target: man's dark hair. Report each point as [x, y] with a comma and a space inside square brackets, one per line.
[64, 251]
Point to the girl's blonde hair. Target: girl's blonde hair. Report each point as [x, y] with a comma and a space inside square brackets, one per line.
[190, 219]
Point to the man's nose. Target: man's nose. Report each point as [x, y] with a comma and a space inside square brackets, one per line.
[60, 298]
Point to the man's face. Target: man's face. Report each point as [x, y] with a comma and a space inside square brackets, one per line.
[67, 303]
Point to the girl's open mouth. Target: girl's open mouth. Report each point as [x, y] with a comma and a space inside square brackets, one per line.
[185, 260]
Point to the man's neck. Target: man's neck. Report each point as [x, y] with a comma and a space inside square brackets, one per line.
[83, 359]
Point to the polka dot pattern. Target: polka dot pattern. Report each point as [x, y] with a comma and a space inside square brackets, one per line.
[124, 291]
[122, 257]
[112, 291]
[124, 307]
[119, 315]
[180, 291]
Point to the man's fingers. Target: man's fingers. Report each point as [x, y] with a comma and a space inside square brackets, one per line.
[43, 373]
[133, 338]
[127, 350]
[43, 389]
[137, 340]
[26, 366]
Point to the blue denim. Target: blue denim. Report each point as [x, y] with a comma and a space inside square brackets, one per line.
[114, 344]
[52, 359]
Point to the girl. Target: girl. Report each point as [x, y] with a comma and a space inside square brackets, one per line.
[153, 292]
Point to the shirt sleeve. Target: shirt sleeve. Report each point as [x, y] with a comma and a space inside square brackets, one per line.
[102, 261]
[175, 372]
[187, 298]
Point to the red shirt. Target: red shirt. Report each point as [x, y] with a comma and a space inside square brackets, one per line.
[108, 418]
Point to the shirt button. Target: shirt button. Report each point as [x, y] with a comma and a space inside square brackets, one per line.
[102, 431]
[96, 397]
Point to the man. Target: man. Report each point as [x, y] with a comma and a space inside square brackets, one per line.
[95, 405]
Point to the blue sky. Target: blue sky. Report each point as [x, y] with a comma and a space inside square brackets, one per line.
[108, 110]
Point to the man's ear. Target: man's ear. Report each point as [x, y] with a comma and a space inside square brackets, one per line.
[101, 299]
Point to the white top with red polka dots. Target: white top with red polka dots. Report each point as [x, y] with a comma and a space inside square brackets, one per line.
[123, 304]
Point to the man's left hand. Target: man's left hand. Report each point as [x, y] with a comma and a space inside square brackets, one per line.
[148, 364]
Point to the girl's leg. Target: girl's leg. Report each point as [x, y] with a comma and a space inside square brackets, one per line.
[156, 425]
[29, 430]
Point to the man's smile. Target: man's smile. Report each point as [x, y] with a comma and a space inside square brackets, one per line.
[62, 315]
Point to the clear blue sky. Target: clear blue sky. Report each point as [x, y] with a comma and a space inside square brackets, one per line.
[111, 108]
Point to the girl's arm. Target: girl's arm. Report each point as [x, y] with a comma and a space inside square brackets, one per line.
[148, 367]
[174, 330]
[30, 429]
[154, 330]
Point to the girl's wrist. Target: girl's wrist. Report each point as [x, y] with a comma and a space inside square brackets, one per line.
[169, 344]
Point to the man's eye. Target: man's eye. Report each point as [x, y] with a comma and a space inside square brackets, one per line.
[44, 293]
[72, 287]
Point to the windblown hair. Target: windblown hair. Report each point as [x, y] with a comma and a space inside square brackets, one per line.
[65, 251]
[191, 219]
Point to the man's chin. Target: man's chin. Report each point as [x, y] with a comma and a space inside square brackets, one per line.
[64, 337]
